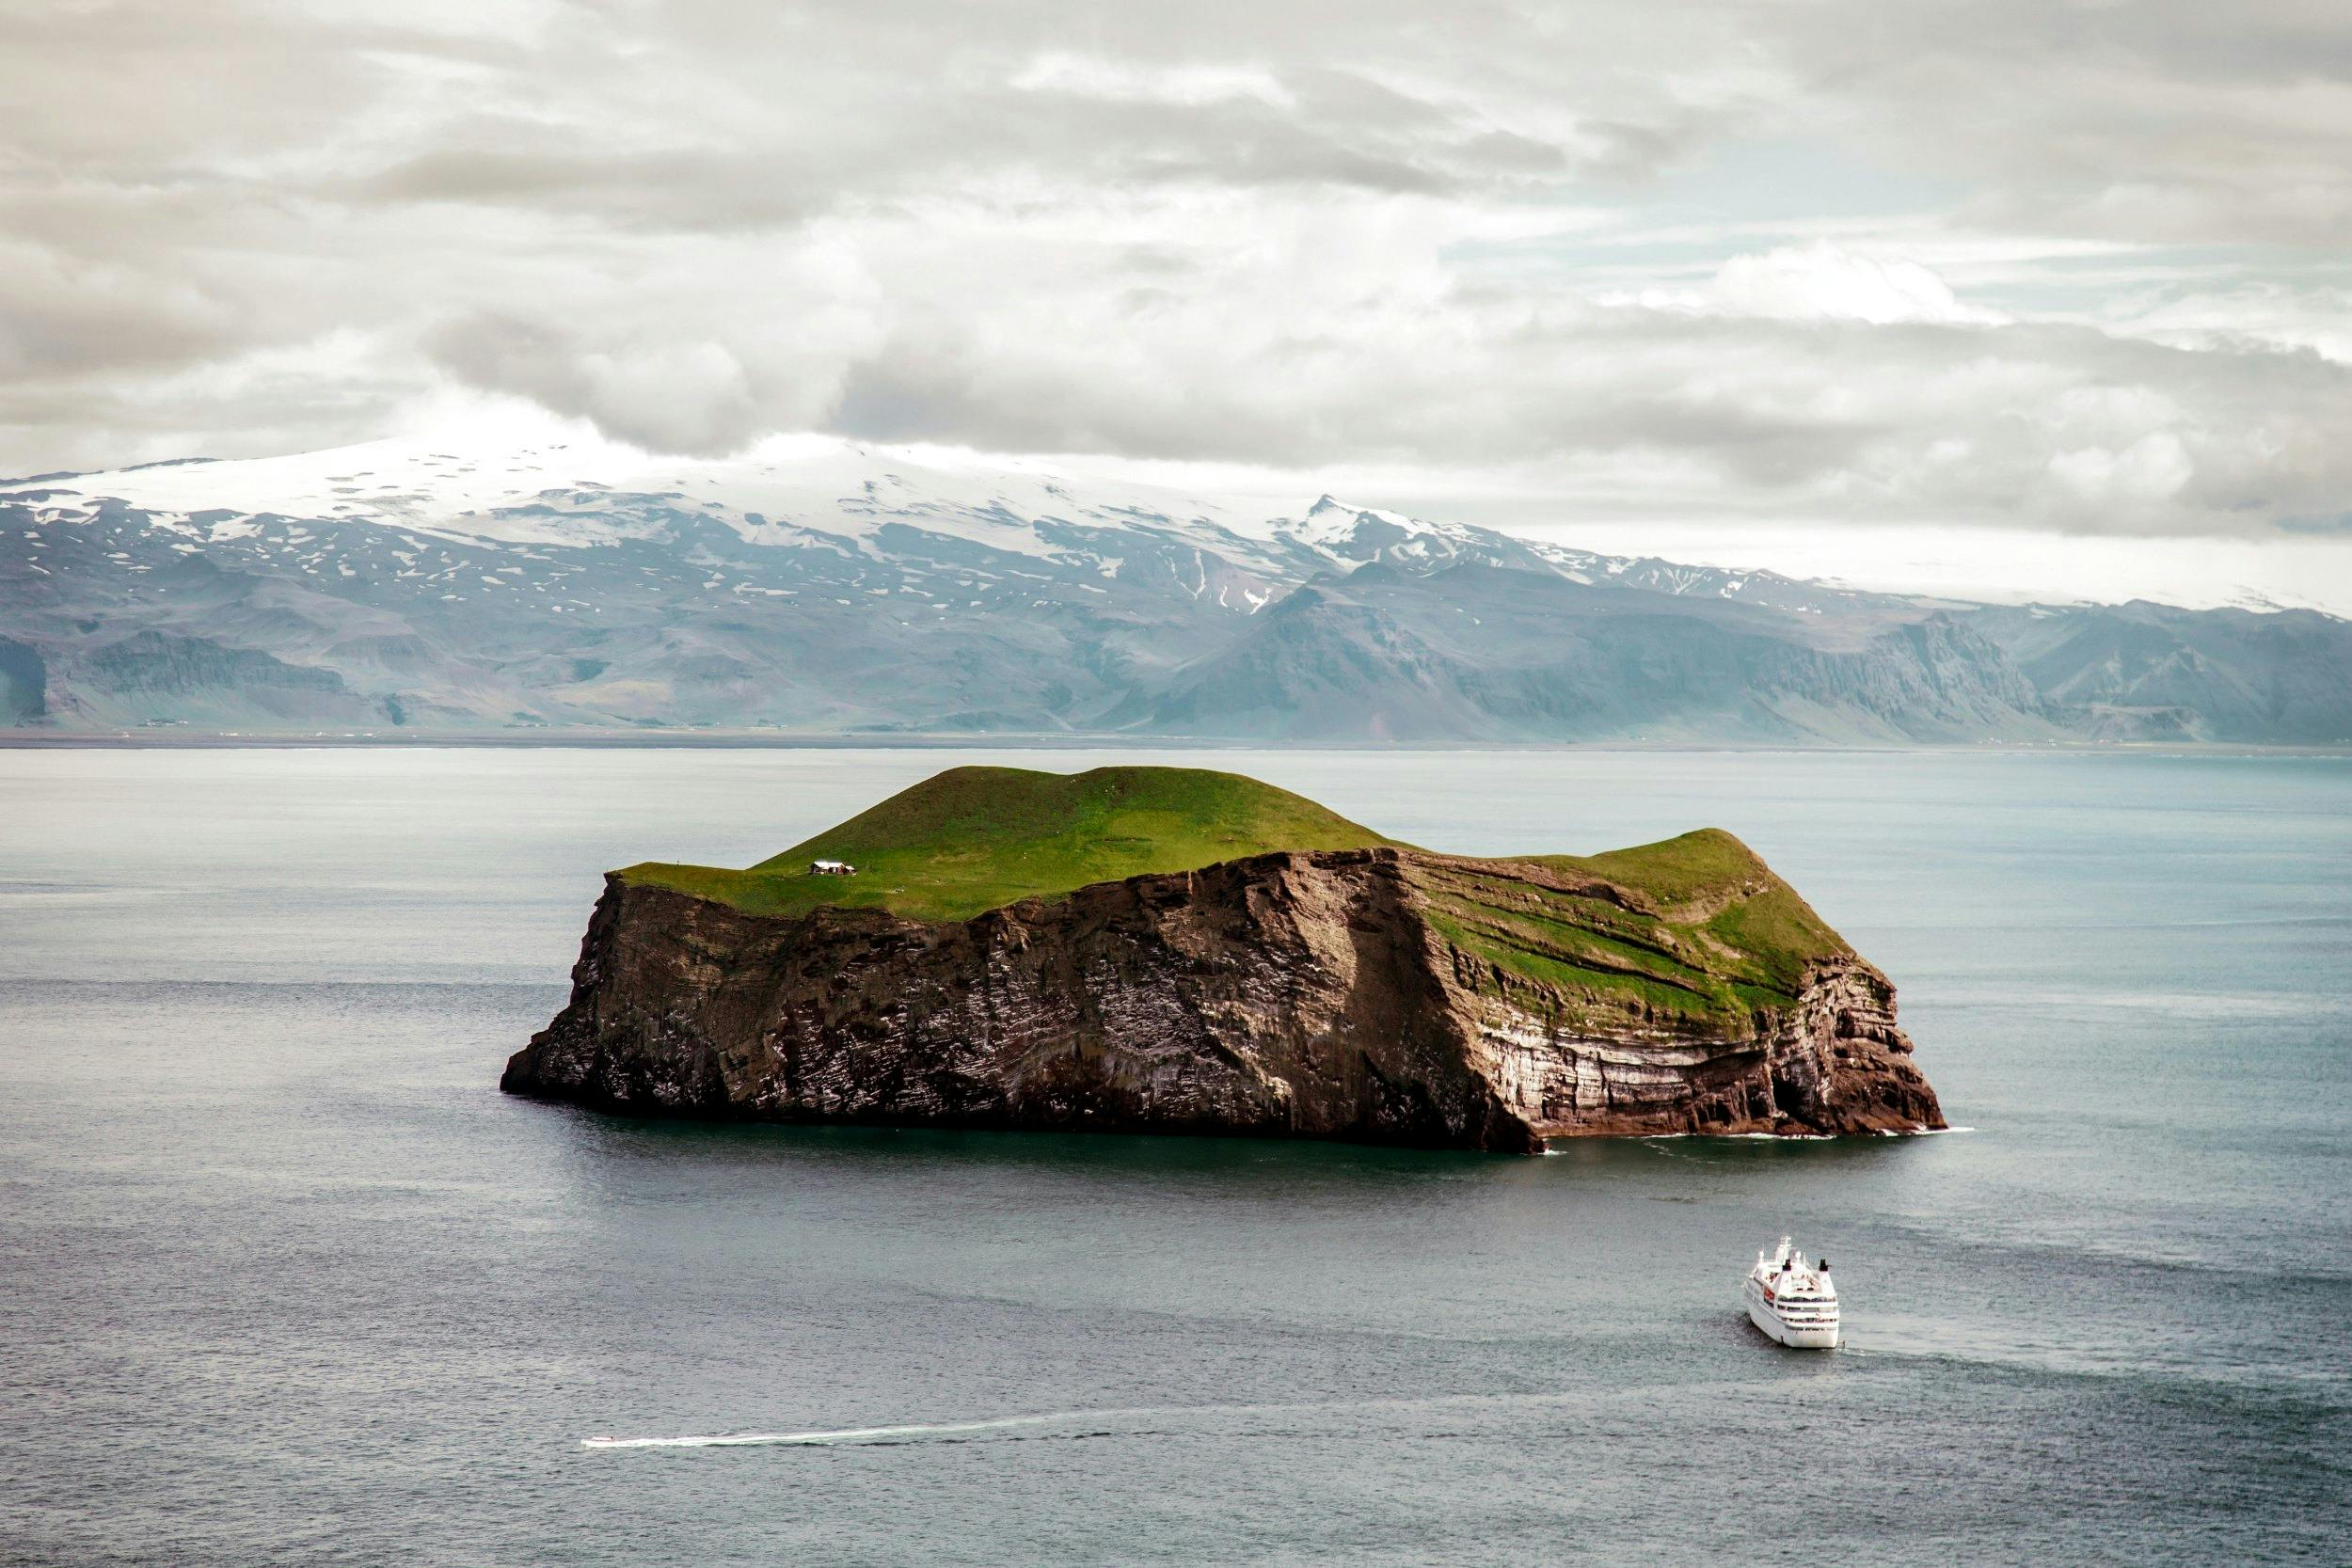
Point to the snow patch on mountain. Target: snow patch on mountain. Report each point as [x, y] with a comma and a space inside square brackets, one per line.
[584, 493]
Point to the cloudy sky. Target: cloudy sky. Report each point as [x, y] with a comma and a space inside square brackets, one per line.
[2020, 277]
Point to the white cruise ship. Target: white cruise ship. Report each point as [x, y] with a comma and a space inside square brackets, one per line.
[1795, 1304]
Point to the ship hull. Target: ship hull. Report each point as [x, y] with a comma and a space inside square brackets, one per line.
[1808, 1336]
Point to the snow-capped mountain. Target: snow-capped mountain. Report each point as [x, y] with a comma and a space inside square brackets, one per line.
[815, 585]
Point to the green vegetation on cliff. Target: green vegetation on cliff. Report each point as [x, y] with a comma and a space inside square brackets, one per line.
[1693, 932]
[974, 839]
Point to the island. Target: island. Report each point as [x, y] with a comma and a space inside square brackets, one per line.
[1181, 950]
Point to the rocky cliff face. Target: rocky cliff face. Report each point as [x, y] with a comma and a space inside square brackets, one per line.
[1288, 994]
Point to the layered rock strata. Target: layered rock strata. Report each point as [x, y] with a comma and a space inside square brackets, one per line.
[1352, 994]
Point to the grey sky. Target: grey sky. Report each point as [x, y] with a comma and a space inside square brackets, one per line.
[2069, 267]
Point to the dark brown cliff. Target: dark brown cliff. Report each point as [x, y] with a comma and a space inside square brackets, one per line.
[1353, 993]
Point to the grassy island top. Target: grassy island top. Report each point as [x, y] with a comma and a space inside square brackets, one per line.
[1695, 925]
[974, 839]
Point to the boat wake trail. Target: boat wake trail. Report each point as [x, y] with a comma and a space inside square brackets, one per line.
[849, 1435]
[1134, 1421]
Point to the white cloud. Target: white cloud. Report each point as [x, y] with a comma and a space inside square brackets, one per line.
[1292, 233]
[2001, 566]
[1092, 76]
[1822, 282]
[2156, 467]
[2317, 317]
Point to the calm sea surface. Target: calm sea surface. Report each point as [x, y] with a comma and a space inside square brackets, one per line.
[283, 1278]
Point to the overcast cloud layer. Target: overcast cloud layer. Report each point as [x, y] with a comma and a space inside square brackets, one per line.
[2074, 267]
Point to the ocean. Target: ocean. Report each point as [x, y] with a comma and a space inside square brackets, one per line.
[285, 1279]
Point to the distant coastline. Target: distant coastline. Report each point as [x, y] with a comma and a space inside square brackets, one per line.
[845, 593]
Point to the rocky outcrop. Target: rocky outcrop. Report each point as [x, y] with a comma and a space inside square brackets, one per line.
[1287, 994]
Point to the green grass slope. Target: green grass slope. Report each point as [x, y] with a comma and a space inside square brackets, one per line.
[974, 839]
[1694, 932]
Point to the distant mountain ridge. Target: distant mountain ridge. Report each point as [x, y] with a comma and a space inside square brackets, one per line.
[820, 588]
